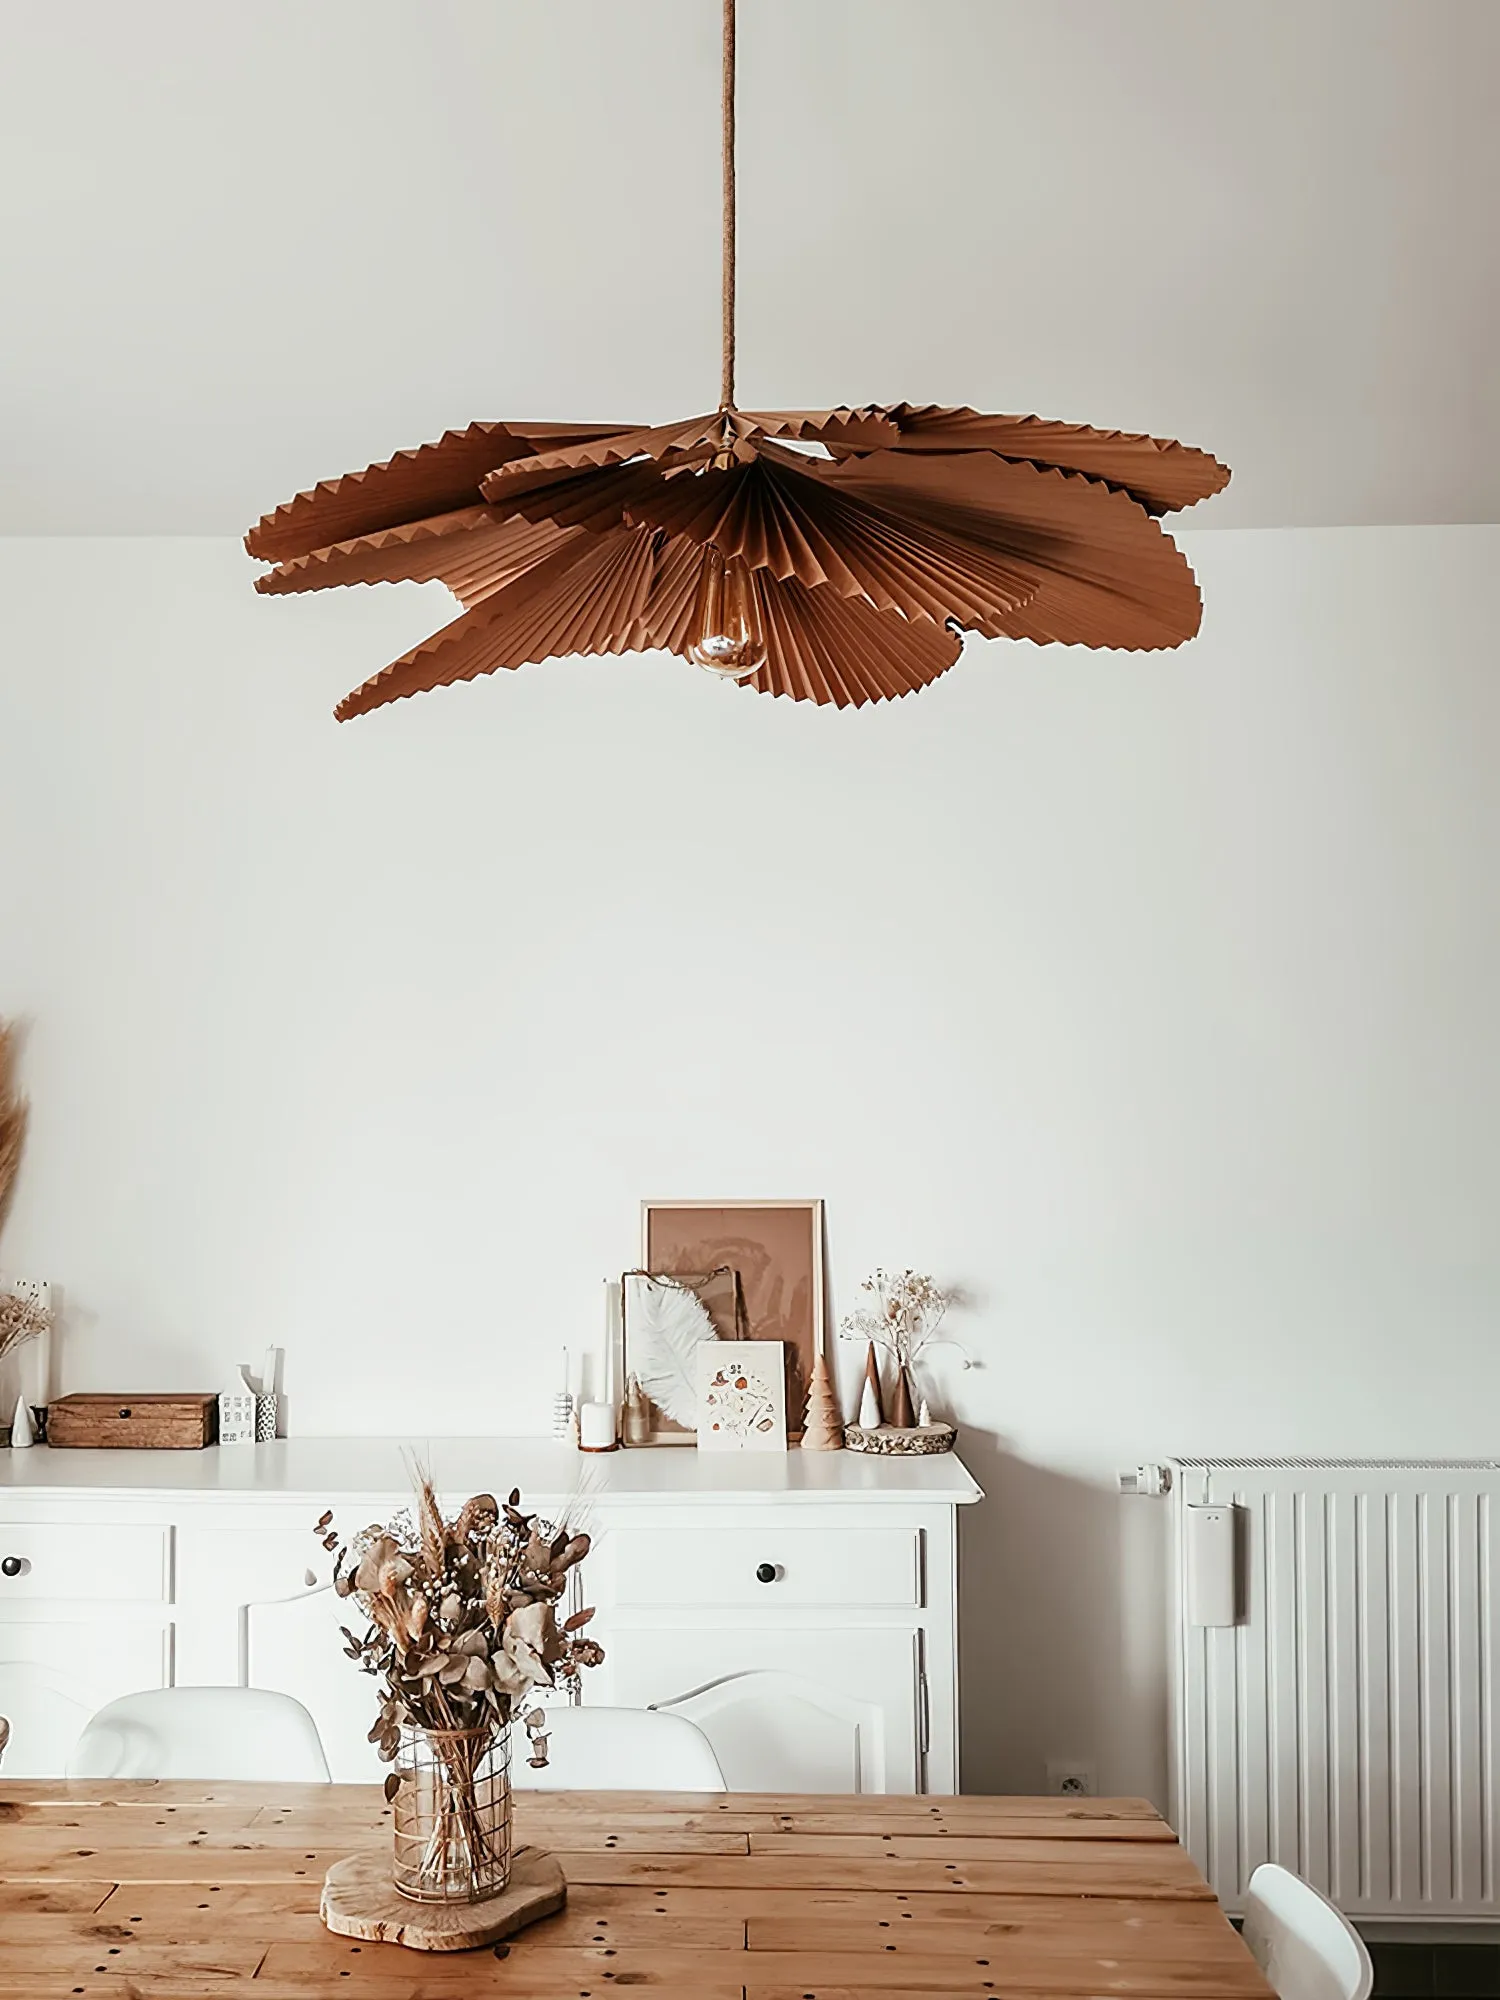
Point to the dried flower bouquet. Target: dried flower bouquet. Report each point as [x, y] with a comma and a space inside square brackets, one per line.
[463, 1627]
[904, 1319]
[22, 1316]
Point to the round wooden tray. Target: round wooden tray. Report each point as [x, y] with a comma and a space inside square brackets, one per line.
[361, 1901]
[921, 1441]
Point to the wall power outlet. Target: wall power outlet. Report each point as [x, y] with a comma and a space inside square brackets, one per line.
[1067, 1778]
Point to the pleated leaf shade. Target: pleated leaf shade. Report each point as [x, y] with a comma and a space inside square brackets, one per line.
[875, 538]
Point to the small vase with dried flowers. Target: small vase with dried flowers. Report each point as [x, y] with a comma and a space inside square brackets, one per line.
[24, 1313]
[904, 1321]
[463, 1627]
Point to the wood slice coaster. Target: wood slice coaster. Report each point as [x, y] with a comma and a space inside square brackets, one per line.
[361, 1901]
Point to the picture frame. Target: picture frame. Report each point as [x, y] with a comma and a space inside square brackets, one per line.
[775, 1249]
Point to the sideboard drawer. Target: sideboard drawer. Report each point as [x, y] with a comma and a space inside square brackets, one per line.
[74, 1559]
[763, 1568]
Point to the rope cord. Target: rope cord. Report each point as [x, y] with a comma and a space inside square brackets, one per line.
[726, 375]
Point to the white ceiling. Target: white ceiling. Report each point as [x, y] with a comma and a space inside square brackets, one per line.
[249, 246]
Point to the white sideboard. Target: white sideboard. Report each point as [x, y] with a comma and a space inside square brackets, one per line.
[802, 1609]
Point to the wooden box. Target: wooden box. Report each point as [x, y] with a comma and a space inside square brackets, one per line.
[139, 1423]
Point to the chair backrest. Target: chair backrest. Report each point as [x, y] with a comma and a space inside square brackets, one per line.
[207, 1732]
[1307, 1949]
[619, 1750]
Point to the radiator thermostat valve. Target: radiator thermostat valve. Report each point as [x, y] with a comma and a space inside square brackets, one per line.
[1149, 1482]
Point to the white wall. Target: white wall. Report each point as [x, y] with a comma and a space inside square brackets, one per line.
[1151, 999]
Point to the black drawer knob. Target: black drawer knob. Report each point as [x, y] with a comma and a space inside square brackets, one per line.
[765, 1572]
[11, 1566]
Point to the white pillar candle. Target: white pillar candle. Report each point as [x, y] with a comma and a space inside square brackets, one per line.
[596, 1427]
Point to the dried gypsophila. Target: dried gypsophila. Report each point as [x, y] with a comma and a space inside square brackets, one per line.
[22, 1318]
[905, 1318]
[463, 1618]
[22, 1315]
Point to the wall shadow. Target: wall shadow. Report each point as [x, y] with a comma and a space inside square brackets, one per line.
[1062, 1629]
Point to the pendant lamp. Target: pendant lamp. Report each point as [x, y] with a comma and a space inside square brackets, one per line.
[829, 555]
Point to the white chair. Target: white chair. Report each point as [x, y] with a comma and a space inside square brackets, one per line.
[619, 1750]
[202, 1732]
[1307, 1949]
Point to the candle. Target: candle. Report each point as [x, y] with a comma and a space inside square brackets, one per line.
[609, 1388]
[596, 1427]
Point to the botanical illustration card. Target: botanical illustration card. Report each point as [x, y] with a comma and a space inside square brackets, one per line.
[741, 1395]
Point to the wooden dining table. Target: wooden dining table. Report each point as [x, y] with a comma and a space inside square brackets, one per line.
[170, 1891]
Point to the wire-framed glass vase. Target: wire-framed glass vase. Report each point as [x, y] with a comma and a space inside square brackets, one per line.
[452, 1814]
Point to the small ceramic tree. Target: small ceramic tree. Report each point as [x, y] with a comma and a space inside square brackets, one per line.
[903, 1320]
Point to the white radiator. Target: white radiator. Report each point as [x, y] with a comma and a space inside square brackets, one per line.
[1345, 1723]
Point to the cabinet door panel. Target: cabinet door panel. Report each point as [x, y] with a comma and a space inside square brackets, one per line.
[789, 1710]
[54, 1674]
[265, 1614]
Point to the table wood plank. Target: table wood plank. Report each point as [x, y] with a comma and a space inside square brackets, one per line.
[406, 1981]
[150, 1892]
[984, 1845]
[1169, 1874]
[999, 1824]
[32, 1897]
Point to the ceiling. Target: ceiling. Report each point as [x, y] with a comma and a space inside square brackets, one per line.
[246, 247]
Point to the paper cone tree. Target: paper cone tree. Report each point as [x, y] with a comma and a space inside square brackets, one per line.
[902, 1414]
[871, 1404]
[823, 1427]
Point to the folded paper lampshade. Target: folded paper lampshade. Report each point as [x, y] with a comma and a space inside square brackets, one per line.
[832, 555]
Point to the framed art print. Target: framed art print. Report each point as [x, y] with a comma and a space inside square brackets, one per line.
[774, 1249]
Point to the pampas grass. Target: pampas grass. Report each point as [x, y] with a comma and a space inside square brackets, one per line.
[22, 1317]
[12, 1115]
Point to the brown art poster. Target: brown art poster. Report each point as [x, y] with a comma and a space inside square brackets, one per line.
[775, 1249]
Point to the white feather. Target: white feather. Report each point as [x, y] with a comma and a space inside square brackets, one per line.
[667, 1327]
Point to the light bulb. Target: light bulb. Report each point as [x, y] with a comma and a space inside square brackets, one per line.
[726, 636]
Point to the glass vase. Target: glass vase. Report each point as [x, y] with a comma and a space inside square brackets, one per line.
[452, 1814]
